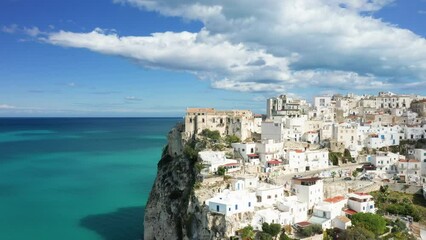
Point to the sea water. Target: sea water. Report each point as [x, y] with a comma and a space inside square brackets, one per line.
[77, 178]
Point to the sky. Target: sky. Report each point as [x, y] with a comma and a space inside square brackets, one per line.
[147, 58]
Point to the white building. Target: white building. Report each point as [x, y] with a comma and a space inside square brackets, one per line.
[325, 213]
[409, 170]
[297, 209]
[415, 132]
[232, 202]
[309, 190]
[322, 102]
[247, 151]
[309, 160]
[361, 202]
[268, 194]
[270, 215]
[212, 160]
[285, 106]
[385, 161]
[342, 222]
[420, 155]
[269, 149]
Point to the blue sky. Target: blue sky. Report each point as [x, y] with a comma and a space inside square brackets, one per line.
[149, 58]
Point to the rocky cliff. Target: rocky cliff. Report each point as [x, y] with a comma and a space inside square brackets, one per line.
[175, 208]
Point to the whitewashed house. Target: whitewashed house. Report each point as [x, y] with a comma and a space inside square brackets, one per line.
[385, 161]
[268, 194]
[212, 160]
[409, 170]
[361, 202]
[309, 190]
[270, 215]
[297, 209]
[232, 202]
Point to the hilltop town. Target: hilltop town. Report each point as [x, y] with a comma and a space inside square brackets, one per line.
[307, 167]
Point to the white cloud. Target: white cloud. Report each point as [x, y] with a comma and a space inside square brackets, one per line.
[10, 29]
[6, 106]
[132, 98]
[280, 46]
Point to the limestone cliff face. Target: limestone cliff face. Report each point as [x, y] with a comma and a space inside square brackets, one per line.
[175, 208]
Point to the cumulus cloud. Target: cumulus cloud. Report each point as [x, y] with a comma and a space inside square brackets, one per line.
[280, 46]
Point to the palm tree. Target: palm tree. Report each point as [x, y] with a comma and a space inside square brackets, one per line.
[333, 174]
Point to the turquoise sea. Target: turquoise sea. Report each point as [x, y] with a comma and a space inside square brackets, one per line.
[77, 178]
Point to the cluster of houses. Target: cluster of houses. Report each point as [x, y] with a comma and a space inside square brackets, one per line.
[295, 137]
[300, 206]
[410, 168]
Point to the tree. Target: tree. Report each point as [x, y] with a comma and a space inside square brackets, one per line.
[214, 135]
[359, 233]
[274, 229]
[347, 154]
[265, 227]
[355, 174]
[232, 139]
[247, 233]
[221, 171]
[371, 222]
[333, 174]
[284, 236]
[264, 236]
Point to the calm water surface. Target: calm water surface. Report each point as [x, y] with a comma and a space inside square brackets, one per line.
[77, 178]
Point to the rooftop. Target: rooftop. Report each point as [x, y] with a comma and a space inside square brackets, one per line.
[343, 219]
[335, 199]
[349, 211]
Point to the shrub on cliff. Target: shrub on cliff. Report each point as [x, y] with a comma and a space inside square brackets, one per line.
[372, 222]
[214, 135]
[230, 139]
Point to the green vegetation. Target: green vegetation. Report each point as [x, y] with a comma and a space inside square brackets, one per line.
[334, 157]
[190, 152]
[284, 236]
[221, 171]
[263, 236]
[401, 203]
[369, 221]
[247, 233]
[272, 229]
[214, 135]
[359, 233]
[310, 230]
[232, 139]
[355, 174]
[347, 154]
[333, 175]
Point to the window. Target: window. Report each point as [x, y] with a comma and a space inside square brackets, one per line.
[229, 209]
[269, 197]
[217, 208]
[249, 204]
[236, 206]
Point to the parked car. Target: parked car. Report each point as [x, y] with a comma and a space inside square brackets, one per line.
[347, 178]
[364, 178]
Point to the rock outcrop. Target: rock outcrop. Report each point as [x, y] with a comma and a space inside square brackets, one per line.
[176, 206]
